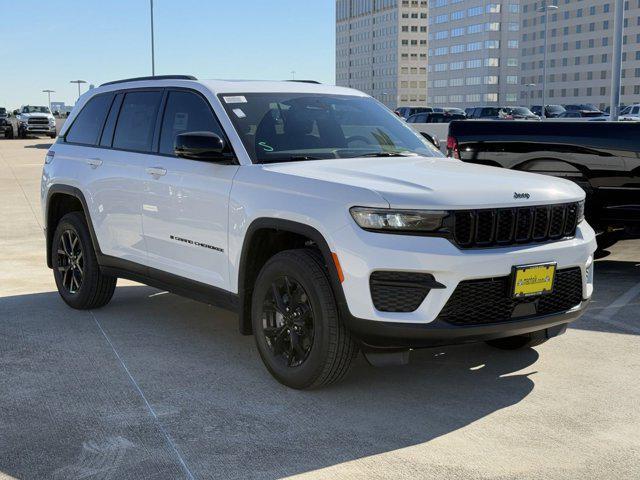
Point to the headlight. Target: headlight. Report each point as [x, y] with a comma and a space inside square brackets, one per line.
[398, 220]
[52, 121]
[580, 212]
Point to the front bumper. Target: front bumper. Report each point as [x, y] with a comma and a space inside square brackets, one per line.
[48, 129]
[392, 335]
[361, 253]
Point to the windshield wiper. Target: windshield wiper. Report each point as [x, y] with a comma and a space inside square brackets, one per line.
[292, 158]
[388, 154]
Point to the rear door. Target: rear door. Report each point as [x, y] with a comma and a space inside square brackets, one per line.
[119, 168]
[186, 202]
[111, 186]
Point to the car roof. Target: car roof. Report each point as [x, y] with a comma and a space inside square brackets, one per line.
[233, 86]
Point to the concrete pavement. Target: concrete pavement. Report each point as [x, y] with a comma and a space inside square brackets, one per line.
[154, 386]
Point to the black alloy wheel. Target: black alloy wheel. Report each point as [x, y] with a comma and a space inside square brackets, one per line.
[70, 261]
[287, 321]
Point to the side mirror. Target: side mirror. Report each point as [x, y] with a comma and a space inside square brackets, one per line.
[433, 139]
[204, 146]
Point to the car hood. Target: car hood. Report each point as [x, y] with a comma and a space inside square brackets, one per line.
[437, 183]
[35, 115]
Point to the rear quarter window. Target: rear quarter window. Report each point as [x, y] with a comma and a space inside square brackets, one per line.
[88, 124]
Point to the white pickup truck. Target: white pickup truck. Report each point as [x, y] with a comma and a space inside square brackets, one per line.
[35, 120]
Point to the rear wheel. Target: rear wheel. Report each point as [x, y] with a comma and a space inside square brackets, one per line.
[75, 268]
[298, 332]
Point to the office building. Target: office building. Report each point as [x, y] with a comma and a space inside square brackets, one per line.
[579, 49]
[474, 53]
[381, 49]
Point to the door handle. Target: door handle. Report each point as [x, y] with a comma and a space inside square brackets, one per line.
[156, 171]
[94, 162]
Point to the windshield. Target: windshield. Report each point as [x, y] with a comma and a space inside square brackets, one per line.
[3, 111]
[555, 108]
[280, 127]
[31, 109]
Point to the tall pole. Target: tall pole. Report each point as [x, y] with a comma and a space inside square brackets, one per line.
[293, 74]
[545, 9]
[49, 92]
[616, 68]
[79, 82]
[153, 55]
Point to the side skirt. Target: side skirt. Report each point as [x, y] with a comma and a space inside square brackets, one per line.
[182, 286]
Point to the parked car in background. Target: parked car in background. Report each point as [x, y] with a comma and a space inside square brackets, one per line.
[582, 114]
[520, 113]
[436, 117]
[6, 123]
[630, 113]
[406, 112]
[455, 111]
[35, 120]
[583, 107]
[487, 113]
[603, 159]
[551, 111]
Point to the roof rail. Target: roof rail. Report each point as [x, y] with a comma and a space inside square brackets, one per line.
[304, 81]
[157, 77]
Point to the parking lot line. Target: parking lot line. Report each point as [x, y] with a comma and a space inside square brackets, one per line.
[144, 399]
[608, 313]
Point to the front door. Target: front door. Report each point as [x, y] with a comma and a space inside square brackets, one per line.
[186, 202]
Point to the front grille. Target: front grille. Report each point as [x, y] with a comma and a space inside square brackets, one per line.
[512, 226]
[38, 121]
[399, 291]
[478, 302]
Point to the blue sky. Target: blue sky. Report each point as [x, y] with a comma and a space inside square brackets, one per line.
[45, 44]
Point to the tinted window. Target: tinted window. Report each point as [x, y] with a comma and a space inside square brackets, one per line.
[136, 121]
[186, 112]
[88, 124]
[109, 127]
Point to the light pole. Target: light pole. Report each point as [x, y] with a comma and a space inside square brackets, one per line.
[545, 8]
[49, 92]
[153, 54]
[616, 68]
[293, 74]
[531, 86]
[78, 82]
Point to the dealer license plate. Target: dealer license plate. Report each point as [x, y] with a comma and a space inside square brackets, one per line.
[532, 280]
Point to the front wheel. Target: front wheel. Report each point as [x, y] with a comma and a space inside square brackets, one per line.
[300, 337]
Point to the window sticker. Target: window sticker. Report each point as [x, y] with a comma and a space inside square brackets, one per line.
[239, 113]
[180, 121]
[236, 99]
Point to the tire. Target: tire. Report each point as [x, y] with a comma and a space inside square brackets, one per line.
[325, 346]
[21, 133]
[52, 135]
[75, 268]
[519, 341]
[8, 133]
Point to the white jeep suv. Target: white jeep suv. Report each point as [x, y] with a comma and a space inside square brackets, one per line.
[316, 214]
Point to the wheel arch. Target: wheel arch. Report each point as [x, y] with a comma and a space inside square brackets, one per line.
[63, 199]
[251, 259]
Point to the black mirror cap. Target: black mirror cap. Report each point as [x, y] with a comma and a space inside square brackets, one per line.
[432, 139]
[204, 146]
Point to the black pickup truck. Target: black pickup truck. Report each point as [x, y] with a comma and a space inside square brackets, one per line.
[602, 157]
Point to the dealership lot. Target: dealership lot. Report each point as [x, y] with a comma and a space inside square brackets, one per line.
[157, 386]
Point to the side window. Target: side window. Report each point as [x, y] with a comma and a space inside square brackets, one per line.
[635, 110]
[88, 124]
[136, 122]
[110, 126]
[186, 112]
